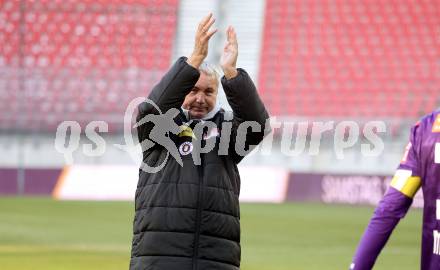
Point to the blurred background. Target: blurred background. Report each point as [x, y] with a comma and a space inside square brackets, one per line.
[312, 60]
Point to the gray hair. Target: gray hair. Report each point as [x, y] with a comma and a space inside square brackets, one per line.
[209, 70]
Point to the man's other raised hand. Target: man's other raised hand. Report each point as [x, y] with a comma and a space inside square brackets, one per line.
[228, 60]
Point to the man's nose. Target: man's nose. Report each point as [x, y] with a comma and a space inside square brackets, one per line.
[200, 98]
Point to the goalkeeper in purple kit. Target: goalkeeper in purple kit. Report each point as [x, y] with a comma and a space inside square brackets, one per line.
[420, 167]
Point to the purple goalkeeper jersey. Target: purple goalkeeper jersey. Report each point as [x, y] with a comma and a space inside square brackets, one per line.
[420, 167]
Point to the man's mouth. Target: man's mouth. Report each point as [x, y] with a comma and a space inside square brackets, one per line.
[198, 109]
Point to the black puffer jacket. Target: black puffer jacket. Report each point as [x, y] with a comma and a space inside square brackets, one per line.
[188, 217]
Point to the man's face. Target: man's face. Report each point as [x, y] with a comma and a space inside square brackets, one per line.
[201, 100]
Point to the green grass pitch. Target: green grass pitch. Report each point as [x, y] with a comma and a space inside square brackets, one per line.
[39, 233]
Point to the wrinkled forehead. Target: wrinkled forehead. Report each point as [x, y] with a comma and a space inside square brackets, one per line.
[207, 80]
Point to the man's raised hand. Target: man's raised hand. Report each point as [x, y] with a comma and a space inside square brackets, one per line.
[228, 60]
[203, 34]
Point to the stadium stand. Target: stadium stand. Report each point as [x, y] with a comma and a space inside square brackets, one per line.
[356, 59]
[85, 60]
[80, 60]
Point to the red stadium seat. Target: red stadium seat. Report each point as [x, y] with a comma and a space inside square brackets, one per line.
[364, 59]
[76, 55]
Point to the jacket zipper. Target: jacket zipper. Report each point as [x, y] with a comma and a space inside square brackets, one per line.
[198, 214]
